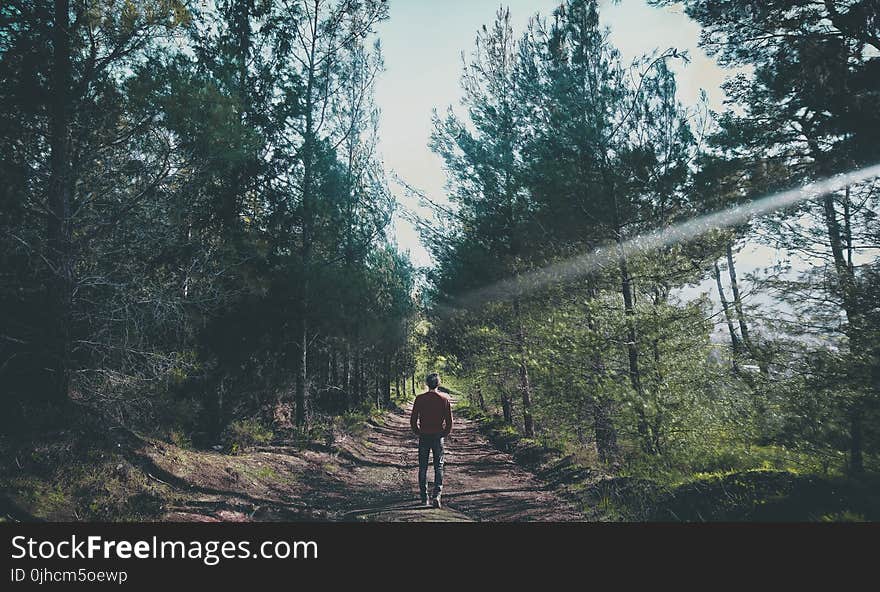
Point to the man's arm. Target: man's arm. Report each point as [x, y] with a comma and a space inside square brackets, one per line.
[414, 417]
[448, 419]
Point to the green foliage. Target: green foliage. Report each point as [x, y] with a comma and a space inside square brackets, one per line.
[223, 212]
[563, 149]
[180, 439]
[244, 434]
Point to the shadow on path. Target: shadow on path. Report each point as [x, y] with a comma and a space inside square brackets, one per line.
[480, 482]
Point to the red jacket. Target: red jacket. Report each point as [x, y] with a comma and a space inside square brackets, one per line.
[431, 414]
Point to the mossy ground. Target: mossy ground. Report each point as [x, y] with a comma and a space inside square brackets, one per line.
[766, 484]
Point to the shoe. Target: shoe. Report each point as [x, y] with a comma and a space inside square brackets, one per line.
[436, 502]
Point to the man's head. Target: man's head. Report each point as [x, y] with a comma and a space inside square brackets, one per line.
[432, 380]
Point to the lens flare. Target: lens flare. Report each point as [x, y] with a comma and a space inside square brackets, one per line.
[581, 265]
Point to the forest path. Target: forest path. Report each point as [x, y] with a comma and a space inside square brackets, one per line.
[367, 476]
[480, 483]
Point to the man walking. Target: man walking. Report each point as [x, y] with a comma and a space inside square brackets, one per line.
[431, 419]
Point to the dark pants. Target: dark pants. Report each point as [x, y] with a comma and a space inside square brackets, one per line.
[430, 444]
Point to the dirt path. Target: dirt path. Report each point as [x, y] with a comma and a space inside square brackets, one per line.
[480, 483]
[370, 476]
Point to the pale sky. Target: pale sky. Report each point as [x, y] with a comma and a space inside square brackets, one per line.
[422, 44]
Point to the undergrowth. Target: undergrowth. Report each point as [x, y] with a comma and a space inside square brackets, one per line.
[755, 483]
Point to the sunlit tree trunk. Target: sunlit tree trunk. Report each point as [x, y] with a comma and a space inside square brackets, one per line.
[525, 388]
[632, 350]
[725, 306]
[740, 315]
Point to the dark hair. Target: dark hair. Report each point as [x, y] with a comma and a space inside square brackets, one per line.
[432, 380]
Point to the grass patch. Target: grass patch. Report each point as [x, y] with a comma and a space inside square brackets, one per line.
[77, 478]
[267, 474]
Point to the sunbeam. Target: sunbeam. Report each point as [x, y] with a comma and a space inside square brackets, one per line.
[575, 267]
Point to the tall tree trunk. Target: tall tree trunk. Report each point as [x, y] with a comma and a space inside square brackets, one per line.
[414, 383]
[349, 371]
[601, 408]
[232, 200]
[359, 388]
[605, 432]
[386, 380]
[847, 287]
[657, 426]
[856, 461]
[506, 404]
[334, 366]
[306, 251]
[378, 371]
[632, 349]
[480, 400]
[737, 300]
[632, 346]
[741, 317]
[302, 380]
[525, 388]
[59, 231]
[844, 272]
[847, 230]
[734, 338]
[214, 401]
[308, 156]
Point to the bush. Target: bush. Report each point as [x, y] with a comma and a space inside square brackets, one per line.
[179, 438]
[243, 434]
